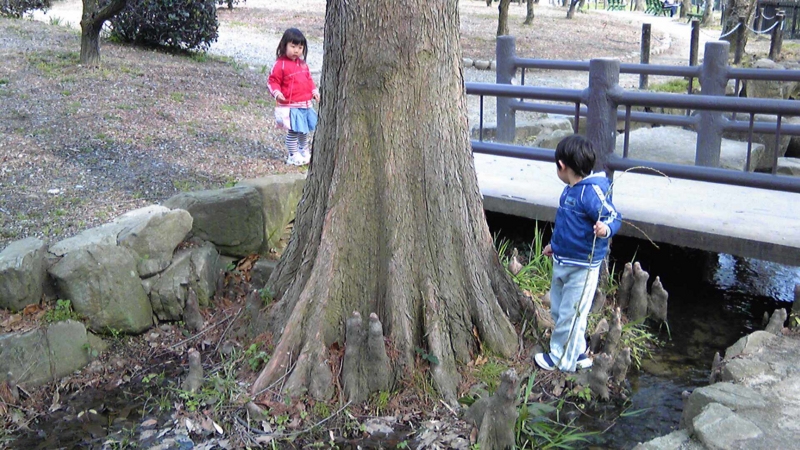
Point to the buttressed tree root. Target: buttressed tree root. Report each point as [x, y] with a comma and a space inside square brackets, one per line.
[366, 367]
[495, 416]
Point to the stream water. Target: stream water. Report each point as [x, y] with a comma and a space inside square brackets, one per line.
[714, 299]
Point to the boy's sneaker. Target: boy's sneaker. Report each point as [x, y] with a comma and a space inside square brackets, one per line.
[544, 361]
[295, 159]
[584, 362]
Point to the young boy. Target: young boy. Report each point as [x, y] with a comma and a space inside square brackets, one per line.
[584, 221]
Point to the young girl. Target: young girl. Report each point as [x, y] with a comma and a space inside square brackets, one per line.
[291, 84]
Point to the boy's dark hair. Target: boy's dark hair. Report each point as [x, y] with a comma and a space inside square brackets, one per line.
[294, 36]
[577, 153]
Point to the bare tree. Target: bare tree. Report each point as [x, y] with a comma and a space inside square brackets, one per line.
[391, 220]
[529, 14]
[571, 11]
[502, 20]
[733, 10]
[91, 23]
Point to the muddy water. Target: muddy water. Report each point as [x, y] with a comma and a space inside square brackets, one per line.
[714, 299]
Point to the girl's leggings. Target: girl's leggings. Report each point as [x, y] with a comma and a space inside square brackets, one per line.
[295, 141]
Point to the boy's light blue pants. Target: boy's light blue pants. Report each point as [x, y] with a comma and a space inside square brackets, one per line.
[571, 295]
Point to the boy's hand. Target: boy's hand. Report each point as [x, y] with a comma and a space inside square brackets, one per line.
[548, 251]
[315, 96]
[601, 229]
[280, 97]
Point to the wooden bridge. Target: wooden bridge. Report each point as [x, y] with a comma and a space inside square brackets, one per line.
[742, 221]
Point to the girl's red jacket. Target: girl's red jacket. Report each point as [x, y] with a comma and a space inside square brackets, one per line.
[293, 80]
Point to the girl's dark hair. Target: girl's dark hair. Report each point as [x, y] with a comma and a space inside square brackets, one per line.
[294, 36]
[577, 153]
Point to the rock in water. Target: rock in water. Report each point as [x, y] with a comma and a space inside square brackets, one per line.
[597, 335]
[614, 335]
[625, 286]
[598, 377]
[637, 308]
[621, 364]
[775, 325]
[495, 416]
[657, 301]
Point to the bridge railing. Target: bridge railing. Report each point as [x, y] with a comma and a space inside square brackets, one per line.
[604, 102]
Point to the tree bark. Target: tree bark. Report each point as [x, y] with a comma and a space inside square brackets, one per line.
[91, 23]
[391, 220]
[529, 14]
[639, 5]
[502, 20]
[571, 11]
[686, 8]
[708, 10]
[733, 10]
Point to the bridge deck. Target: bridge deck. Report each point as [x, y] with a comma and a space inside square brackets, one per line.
[727, 219]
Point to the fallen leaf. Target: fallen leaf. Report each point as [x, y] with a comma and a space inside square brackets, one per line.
[31, 309]
[12, 319]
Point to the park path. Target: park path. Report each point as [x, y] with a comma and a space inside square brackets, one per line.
[253, 48]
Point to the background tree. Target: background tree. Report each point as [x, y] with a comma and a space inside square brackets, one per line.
[502, 20]
[733, 10]
[529, 14]
[391, 219]
[95, 13]
[708, 10]
[572, 6]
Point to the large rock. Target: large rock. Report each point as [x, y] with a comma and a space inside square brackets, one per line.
[749, 344]
[770, 88]
[677, 440]
[154, 235]
[152, 232]
[193, 269]
[103, 285]
[551, 139]
[789, 166]
[230, 218]
[279, 196]
[22, 273]
[765, 159]
[678, 146]
[43, 355]
[719, 428]
[733, 396]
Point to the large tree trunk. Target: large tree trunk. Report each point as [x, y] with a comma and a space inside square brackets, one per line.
[529, 14]
[733, 10]
[502, 20]
[708, 11]
[391, 220]
[91, 23]
[639, 5]
[571, 11]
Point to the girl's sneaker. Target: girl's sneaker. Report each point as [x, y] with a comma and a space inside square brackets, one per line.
[296, 159]
[584, 362]
[306, 155]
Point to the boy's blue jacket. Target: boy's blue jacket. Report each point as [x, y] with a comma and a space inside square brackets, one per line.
[579, 208]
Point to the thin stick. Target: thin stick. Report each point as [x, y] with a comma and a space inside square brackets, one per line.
[222, 337]
[195, 336]
[449, 408]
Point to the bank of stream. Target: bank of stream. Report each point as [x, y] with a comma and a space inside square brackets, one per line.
[714, 299]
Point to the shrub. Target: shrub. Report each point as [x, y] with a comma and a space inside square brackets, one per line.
[16, 8]
[175, 24]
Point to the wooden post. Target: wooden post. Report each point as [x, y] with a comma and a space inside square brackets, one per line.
[695, 42]
[601, 118]
[644, 54]
[760, 20]
[713, 79]
[506, 117]
[776, 41]
[741, 35]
